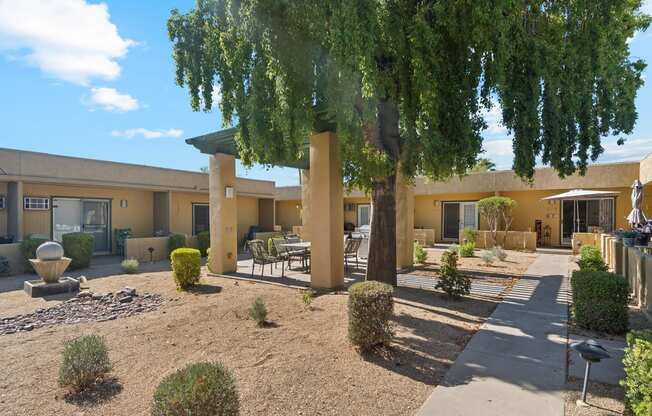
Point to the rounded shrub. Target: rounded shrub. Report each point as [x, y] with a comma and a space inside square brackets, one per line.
[450, 281]
[130, 266]
[371, 308]
[420, 254]
[85, 361]
[600, 301]
[638, 373]
[204, 242]
[499, 253]
[186, 267]
[200, 389]
[591, 259]
[79, 247]
[467, 249]
[28, 250]
[176, 241]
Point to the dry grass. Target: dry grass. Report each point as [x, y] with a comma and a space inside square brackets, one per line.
[302, 364]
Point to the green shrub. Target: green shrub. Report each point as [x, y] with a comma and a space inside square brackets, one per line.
[130, 266]
[204, 242]
[208, 259]
[638, 373]
[450, 281]
[79, 247]
[600, 301]
[258, 311]
[499, 253]
[591, 259]
[467, 249]
[200, 389]
[28, 250]
[307, 296]
[186, 267]
[371, 307]
[420, 254]
[176, 241]
[85, 360]
[271, 249]
[488, 257]
[470, 234]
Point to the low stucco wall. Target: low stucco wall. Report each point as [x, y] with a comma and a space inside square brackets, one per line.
[12, 253]
[585, 239]
[515, 240]
[425, 236]
[138, 248]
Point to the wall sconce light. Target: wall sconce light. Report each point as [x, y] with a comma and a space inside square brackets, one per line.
[124, 203]
[229, 192]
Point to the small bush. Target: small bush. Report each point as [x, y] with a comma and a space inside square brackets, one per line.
[271, 249]
[85, 360]
[450, 281]
[638, 373]
[420, 254]
[371, 307]
[470, 234]
[130, 266]
[499, 253]
[591, 260]
[28, 250]
[467, 249]
[258, 311]
[307, 296]
[488, 257]
[200, 389]
[208, 260]
[203, 242]
[79, 247]
[176, 241]
[600, 301]
[186, 267]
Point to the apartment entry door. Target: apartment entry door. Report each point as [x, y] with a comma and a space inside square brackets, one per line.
[71, 215]
[457, 216]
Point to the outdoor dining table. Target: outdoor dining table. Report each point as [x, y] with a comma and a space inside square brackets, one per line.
[300, 246]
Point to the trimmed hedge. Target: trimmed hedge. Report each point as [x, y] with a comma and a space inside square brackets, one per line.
[371, 307]
[176, 241]
[200, 389]
[186, 267]
[203, 242]
[638, 373]
[600, 301]
[79, 247]
[28, 250]
[591, 259]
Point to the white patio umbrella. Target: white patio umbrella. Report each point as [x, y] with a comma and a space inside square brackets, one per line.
[578, 194]
[636, 216]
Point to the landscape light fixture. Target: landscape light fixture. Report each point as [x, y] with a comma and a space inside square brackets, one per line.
[591, 352]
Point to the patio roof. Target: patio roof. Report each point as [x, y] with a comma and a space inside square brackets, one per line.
[582, 194]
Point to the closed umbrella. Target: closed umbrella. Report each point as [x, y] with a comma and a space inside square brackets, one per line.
[636, 216]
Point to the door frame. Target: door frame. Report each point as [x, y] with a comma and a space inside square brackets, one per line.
[357, 213]
[461, 218]
[109, 218]
[568, 243]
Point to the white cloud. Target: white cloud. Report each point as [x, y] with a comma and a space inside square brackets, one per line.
[148, 134]
[500, 147]
[112, 100]
[66, 39]
[494, 119]
[634, 149]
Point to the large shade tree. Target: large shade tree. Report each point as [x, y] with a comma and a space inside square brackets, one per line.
[405, 84]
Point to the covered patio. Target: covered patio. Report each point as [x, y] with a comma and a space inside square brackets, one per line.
[322, 210]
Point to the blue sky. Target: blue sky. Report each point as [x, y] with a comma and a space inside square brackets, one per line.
[90, 79]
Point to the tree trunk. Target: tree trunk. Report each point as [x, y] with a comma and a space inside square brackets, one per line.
[381, 261]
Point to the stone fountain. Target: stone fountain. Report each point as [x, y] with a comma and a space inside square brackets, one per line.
[50, 264]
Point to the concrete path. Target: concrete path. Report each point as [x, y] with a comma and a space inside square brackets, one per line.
[515, 364]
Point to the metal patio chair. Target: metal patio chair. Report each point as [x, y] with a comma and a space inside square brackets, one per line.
[351, 247]
[260, 256]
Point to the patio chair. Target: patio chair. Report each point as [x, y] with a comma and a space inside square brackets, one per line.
[260, 256]
[351, 247]
[301, 255]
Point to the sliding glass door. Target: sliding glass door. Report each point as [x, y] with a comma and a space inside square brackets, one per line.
[586, 216]
[73, 215]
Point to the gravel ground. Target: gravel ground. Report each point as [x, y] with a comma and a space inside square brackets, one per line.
[604, 399]
[301, 364]
[516, 263]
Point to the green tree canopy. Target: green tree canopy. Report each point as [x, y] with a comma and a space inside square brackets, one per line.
[483, 165]
[404, 83]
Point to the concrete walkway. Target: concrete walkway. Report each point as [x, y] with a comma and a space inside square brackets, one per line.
[515, 364]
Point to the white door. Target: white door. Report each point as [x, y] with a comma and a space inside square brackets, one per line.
[364, 214]
[468, 215]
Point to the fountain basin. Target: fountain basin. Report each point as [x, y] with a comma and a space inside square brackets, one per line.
[50, 270]
[38, 288]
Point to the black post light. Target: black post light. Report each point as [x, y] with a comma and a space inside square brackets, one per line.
[591, 352]
[151, 254]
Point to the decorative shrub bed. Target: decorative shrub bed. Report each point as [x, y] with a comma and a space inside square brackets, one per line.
[28, 250]
[600, 301]
[186, 267]
[371, 307]
[201, 389]
[79, 247]
[638, 373]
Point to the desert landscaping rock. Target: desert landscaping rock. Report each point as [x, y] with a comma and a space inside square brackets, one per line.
[85, 307]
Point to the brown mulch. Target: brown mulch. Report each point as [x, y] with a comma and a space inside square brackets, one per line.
[301, 364]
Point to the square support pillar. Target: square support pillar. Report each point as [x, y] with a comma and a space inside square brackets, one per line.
[223, 214]
[326, 228]
[404, 223]
[15, 210]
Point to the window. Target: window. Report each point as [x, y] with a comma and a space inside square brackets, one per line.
[36, 203]
[200, 221]
[364, 214]
[3, 202]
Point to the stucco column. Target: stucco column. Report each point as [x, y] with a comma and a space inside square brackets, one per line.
[404, 222]
[223, 214]
[15, 210]
[305, 204]
[326, 208]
